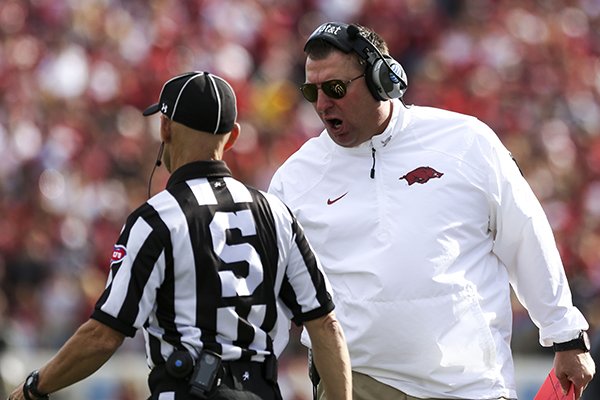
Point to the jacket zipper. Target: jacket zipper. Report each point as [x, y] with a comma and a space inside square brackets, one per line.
[373, 166]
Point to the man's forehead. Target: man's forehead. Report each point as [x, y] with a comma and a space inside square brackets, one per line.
[336, 65]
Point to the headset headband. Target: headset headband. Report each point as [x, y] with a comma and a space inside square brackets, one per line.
[347, 38]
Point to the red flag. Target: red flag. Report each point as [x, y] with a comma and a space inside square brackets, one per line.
[551, 389]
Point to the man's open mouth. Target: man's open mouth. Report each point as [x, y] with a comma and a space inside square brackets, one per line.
[334, 123]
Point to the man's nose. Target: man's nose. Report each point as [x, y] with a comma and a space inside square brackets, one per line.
[323, 101]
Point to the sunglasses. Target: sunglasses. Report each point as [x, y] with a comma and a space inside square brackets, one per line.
[335, 89]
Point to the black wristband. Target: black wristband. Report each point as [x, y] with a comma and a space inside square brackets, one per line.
[582, 342]
[30, 387]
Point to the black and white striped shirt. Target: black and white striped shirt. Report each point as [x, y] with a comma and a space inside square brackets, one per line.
[204, 263]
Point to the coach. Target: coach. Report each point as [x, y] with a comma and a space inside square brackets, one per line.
[424, 223]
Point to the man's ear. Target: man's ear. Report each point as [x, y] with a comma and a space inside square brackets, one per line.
[165, 129]
[235, 132]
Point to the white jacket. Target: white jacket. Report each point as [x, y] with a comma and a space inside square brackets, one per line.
[421, 256]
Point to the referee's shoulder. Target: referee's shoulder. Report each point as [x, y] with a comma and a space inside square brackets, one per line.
[145, 210]
[275, 203]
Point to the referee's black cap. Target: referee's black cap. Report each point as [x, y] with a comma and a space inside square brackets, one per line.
[199, 100]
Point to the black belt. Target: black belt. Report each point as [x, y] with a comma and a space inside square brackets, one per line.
[257, 377]
[236, 375]
[266, 369]
[240, 371]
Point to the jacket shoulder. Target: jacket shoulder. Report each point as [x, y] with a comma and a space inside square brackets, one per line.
[303, 169]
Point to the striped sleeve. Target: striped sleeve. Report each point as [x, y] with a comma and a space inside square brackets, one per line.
[305, 290]
[136, 272]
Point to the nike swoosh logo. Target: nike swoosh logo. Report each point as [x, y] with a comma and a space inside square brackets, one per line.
[330, 201]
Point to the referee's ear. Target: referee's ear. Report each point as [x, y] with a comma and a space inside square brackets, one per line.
[165, 129]
[235, 132]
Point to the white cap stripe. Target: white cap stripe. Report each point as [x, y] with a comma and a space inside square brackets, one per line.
[163, 90]
[214, 85]
[180, 92]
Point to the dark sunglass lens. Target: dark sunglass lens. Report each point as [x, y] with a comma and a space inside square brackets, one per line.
[309, 91]
[335, 89]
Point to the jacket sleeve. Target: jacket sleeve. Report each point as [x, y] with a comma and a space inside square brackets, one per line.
[525, 243]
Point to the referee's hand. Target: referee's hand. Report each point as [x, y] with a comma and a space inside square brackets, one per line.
[17, 393]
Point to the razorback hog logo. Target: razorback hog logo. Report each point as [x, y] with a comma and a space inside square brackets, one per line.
[118, 254]
[421, 175]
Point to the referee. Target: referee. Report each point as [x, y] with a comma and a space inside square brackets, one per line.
[205, 268]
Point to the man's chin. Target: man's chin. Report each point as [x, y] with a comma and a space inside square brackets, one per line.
[341, 138]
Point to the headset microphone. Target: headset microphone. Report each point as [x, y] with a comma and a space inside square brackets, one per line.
[160, 153]
[157, 163]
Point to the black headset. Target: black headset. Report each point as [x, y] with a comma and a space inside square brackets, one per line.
[385, 76]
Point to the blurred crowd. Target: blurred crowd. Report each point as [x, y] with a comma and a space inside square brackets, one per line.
[76, 153]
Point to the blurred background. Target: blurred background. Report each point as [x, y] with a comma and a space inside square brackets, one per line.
[76, 153]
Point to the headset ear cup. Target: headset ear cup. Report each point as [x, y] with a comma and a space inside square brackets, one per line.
[372, 84]
[385, 83]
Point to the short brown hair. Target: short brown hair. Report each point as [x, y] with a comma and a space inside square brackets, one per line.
[319, 49]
